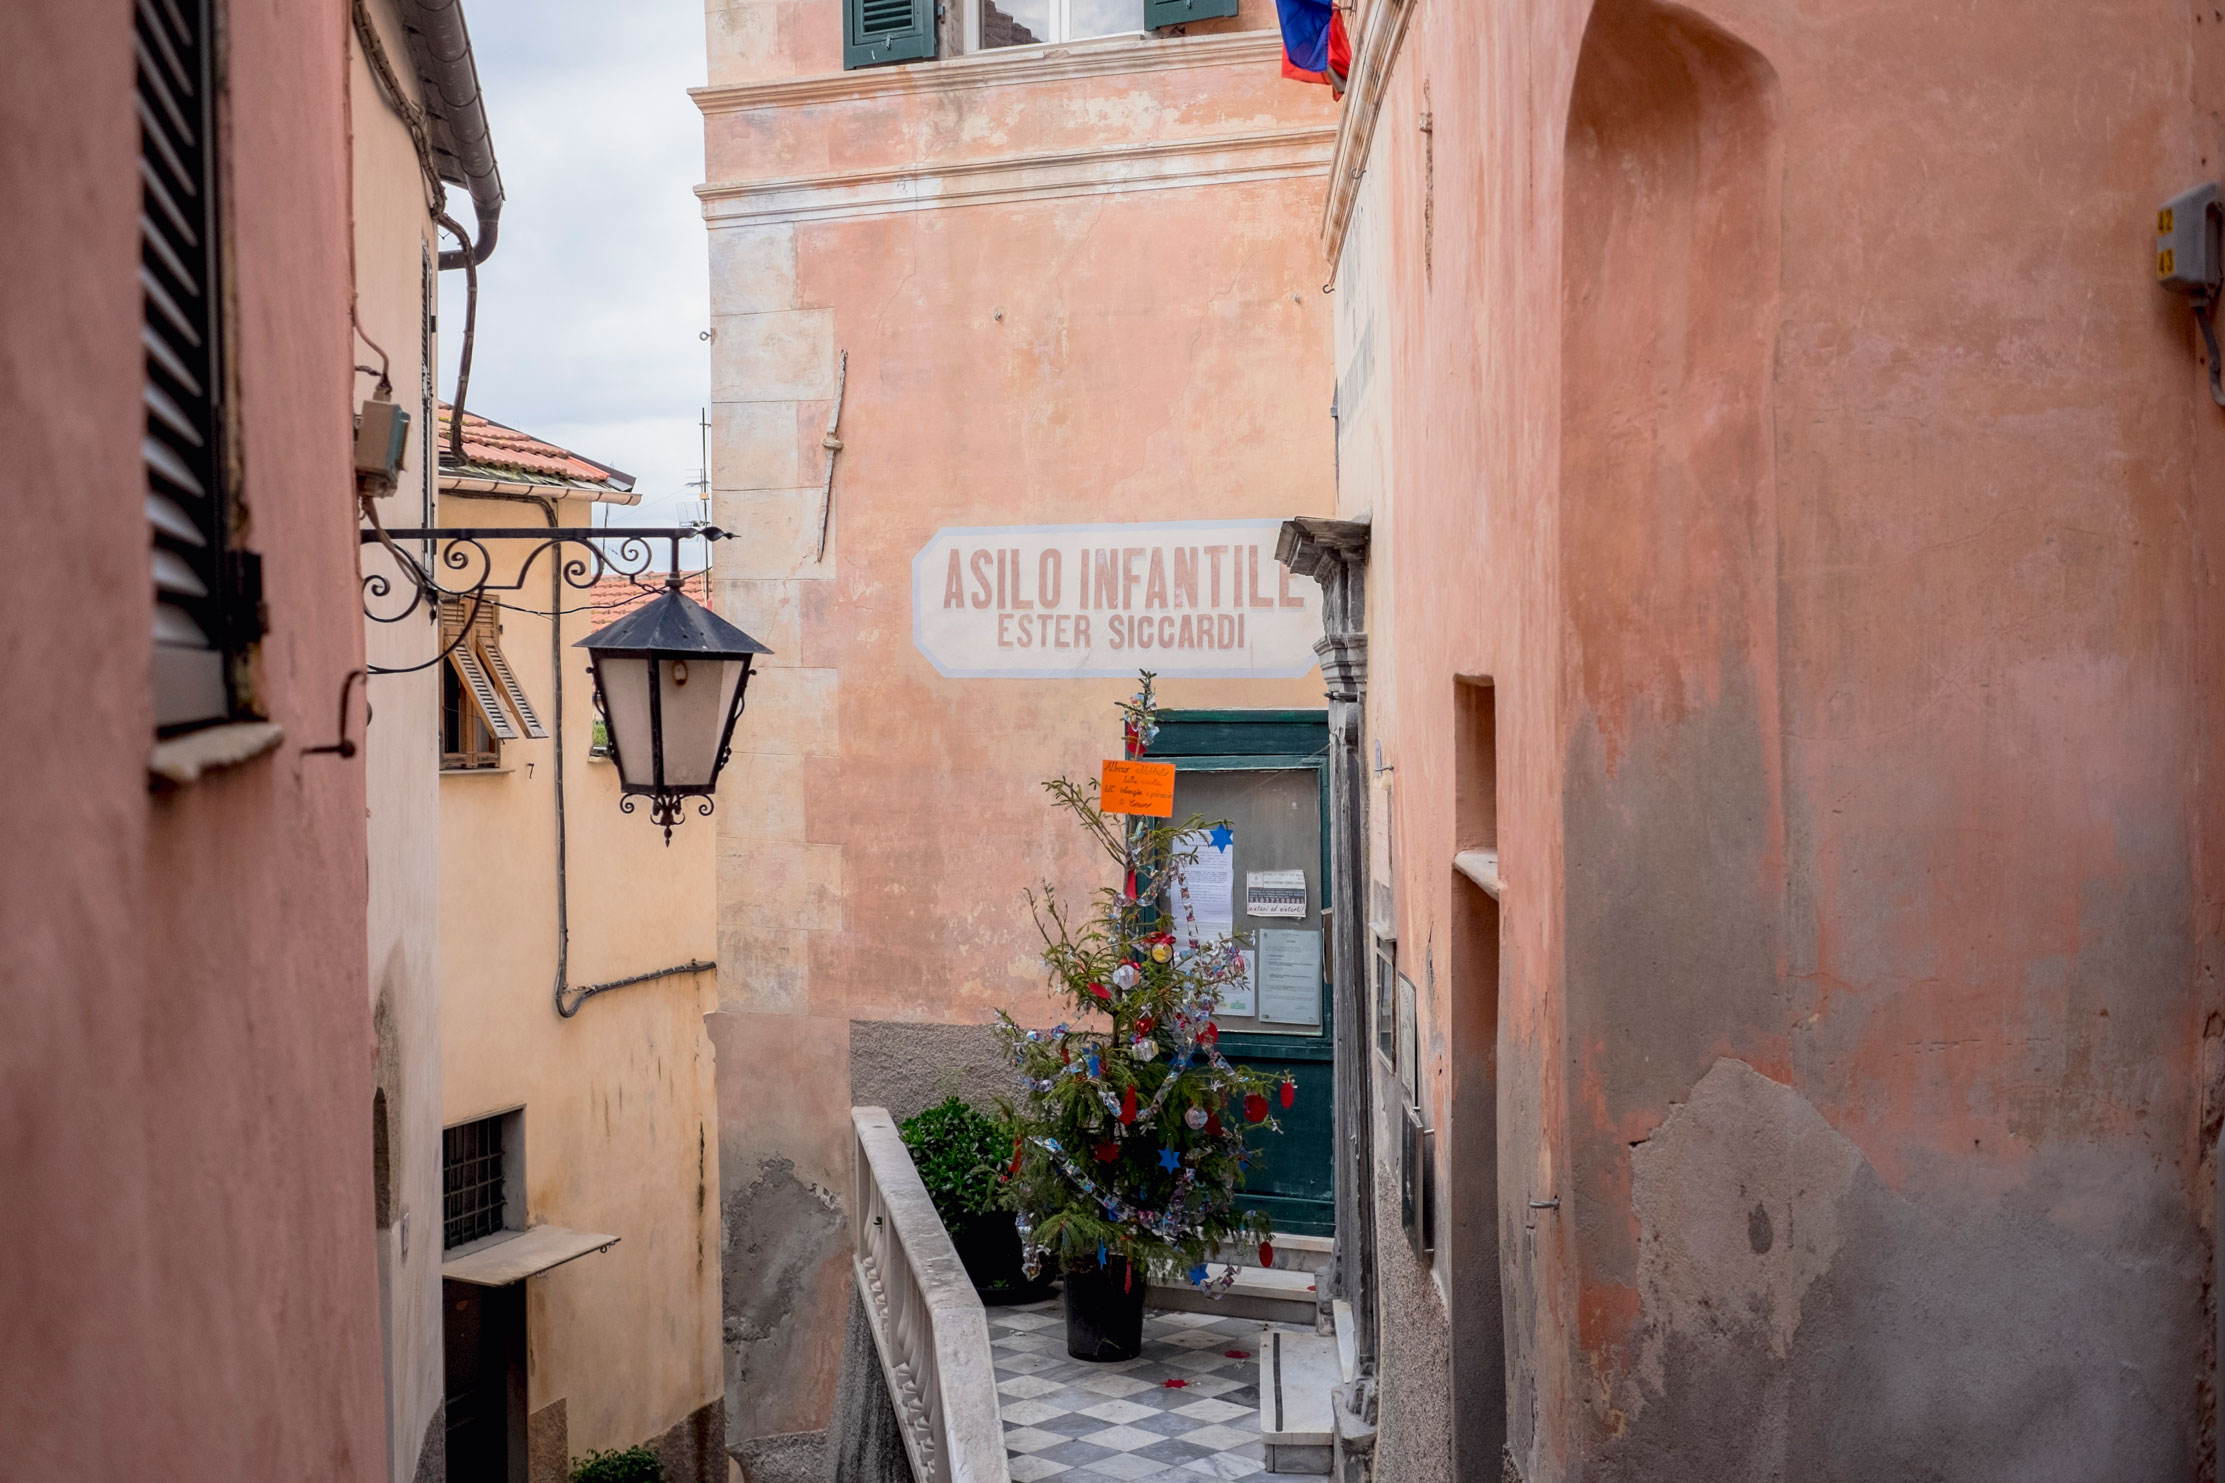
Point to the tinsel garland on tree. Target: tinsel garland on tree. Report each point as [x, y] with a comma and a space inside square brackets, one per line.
[1129, 1137]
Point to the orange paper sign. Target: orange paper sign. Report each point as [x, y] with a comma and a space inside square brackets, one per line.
[1145, 788]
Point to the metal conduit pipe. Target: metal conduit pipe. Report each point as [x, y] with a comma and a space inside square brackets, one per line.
[463, 144]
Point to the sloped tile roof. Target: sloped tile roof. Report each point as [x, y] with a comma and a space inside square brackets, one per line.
[503, 454]
[614, 597]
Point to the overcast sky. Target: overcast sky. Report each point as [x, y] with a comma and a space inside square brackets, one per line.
[591, 307]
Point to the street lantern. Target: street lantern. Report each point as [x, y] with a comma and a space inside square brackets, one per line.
[669, 678]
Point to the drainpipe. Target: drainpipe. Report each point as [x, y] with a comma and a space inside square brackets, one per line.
[440, 45]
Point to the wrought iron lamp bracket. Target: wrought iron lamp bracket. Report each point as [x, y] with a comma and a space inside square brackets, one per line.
[462, 551]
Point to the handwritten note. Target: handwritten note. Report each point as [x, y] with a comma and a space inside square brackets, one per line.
[1144, 789]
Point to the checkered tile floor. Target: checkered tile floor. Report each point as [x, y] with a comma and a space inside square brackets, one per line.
[1091, 1423]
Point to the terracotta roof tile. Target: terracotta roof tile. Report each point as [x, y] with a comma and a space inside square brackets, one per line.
[489, 446]
[614, 597]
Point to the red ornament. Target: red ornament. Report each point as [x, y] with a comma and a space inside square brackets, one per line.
[1266, 1253]
[1210, 1036]
[1099, 991]
[1144, 1024]
[1236, 1354]
[1127, 1277]
[1213, 1124]
[1255, 1108]
[1015, 1156]
[1289, 1091]
[1175, 1384]
[1128, 1105]
[1106, 1152]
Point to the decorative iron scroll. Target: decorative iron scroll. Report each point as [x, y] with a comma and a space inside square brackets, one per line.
[461, 554]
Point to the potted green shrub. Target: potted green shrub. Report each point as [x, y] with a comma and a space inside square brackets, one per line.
[1128, 1142]
[630, 1465]
[960, 1155]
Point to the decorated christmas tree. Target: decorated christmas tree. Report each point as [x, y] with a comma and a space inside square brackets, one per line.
[1129, 1138]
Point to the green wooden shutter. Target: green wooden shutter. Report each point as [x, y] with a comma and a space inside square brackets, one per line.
[1158, 13]
[878, 31]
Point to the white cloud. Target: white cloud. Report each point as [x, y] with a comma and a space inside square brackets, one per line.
[591, 308]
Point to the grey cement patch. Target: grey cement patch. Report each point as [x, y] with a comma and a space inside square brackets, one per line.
[791, 1457]
[777, 1231]
[865, 1439]
[548, 1444]
[1413, 1442]
[908, 1068]
[693, 1449]
[432, 1453]
[1880, 1337]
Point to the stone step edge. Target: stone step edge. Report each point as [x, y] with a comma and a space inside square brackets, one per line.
[1297, 1381]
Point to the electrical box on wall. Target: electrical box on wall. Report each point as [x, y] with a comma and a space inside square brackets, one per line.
[2186, 243]
[381, 442]
[2190, 261]
[1417, 1186]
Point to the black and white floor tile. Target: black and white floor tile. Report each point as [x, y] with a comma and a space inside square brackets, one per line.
[1079, 1422]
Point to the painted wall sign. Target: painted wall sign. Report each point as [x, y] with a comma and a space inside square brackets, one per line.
[1182, 598]
[1144, 789]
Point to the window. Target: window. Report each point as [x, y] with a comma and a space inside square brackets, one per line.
[1029, 22]
[881, 31]
[206, 599]
[481, 703]
[471, 1181]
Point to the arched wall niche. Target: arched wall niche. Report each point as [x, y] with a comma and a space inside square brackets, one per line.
[1672, 806]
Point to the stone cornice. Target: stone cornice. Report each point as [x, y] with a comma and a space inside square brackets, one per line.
[1111, 57]
[1270, 154]
[1363, 100]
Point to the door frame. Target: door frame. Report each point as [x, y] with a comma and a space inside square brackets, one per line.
[1269, 740]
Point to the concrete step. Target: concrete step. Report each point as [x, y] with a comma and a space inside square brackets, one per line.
[1297, 1253]
[1272, 1295]
[1298, 1374]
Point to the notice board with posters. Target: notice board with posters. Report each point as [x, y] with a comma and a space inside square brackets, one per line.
[1262, 776]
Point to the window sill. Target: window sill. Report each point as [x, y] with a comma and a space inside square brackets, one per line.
[183, 759]
[1482, 867]
[477, 772]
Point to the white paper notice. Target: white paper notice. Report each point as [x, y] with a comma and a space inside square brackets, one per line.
[1289, 977]
[1210, 881]
[1275, 893]
[1201, 903]
[1242, 997]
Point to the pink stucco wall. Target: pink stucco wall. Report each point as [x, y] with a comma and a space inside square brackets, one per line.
[1786, 422]
[185, 1087]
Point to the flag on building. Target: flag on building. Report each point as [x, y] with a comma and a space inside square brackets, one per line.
[1314, 46]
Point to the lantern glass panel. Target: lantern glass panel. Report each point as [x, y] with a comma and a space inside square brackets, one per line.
[625, 685]
[697, 694]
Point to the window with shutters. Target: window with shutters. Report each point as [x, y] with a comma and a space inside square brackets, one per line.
[205, 595]
[482, 703]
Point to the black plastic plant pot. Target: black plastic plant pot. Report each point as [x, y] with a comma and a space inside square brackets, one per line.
[989, 1245]
[1104, 1312]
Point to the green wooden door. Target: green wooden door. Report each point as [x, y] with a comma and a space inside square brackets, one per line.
[1266, 773]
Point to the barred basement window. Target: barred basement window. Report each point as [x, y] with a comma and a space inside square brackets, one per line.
[471, 1181]
[205, 599]
[482, 703]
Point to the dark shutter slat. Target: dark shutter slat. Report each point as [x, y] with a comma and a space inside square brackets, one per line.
[1162, 13]
[875, 32]
[185, 514]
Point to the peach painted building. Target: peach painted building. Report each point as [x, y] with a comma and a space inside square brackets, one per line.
[1791, 522]
[186, 1078]
[1066, 295]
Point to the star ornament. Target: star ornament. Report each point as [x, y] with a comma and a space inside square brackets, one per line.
[1169, 1159]
[1222, 836]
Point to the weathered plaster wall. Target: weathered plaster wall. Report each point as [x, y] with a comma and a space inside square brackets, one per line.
[1072, 351]
[185, 1079]
[618, 1101]
[401, 761]
[1793, 433]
